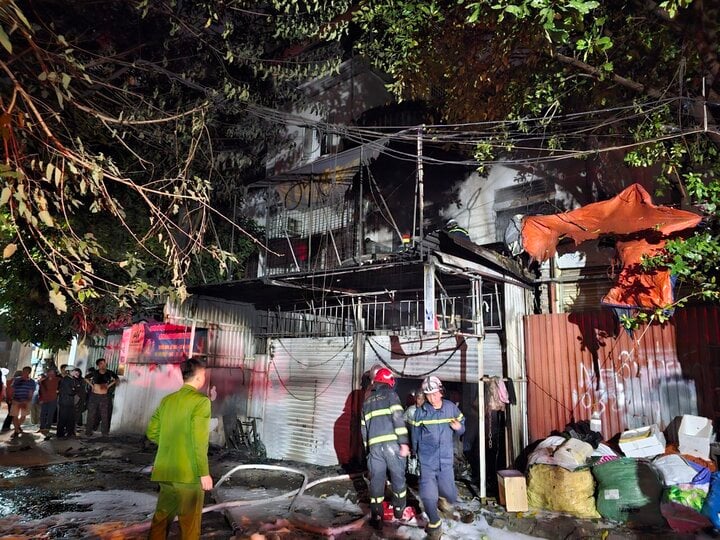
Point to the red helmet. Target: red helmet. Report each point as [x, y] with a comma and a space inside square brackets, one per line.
[384, 375]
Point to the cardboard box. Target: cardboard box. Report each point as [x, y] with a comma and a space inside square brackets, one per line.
[572, 453]
[513, 490]
[646, 441]
[695, 436]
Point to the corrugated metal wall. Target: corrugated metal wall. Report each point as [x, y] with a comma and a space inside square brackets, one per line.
[110, 350]
[309, 400]
[139, 394]
[582, 291]
[237, 374]
[230, 337]
[452, 358]
[576, 365]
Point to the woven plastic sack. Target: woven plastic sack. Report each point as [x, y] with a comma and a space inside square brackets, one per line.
[559, 490]
[629, 490]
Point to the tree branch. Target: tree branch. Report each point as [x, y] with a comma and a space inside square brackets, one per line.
[597, 73]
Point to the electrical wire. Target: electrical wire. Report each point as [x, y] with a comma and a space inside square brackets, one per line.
[311, 365]
[317, 395]
[367, 137]
[409, 375]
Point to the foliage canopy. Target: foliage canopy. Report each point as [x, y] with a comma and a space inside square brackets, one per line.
[128, 133]
[129, 128]
[530, 66]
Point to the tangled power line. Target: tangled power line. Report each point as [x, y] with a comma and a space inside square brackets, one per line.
[523, 136]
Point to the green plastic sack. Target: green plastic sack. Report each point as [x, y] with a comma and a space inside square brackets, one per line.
[559, 490]
[629, 490]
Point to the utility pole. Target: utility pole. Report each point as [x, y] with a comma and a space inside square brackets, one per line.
[421, 196]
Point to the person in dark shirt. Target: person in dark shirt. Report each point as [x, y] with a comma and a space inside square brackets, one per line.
[80, 396]
[67, 390]
[47, 398]
[102, 380]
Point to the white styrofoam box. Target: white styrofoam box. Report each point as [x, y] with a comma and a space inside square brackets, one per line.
[646, 441]
[695, 436]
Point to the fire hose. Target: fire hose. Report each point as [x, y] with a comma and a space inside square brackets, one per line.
[138, 528]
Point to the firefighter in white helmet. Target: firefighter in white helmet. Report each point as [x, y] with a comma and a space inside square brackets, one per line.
[386, 442]
[453, 229]
[432, 432]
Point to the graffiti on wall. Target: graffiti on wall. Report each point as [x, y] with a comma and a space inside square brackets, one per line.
[643, 390]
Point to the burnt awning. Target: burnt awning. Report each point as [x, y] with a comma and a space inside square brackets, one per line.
[640, 228]
[394, 274]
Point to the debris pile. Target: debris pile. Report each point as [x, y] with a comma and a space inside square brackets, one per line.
[639, 481]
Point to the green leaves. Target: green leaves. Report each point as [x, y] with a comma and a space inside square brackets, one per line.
[125, 150]
[674, 6]
[5, 40]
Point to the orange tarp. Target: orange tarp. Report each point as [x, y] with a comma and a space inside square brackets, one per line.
[641, 229]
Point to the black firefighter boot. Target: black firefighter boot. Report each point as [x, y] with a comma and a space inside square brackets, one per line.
[376, 521]
[399, 503]
[433, 533]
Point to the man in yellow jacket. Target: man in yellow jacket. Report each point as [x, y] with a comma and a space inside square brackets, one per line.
[181, 428]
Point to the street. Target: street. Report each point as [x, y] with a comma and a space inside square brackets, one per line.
[100, 488]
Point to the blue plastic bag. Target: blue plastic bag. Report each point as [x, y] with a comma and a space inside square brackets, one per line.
[711, 506]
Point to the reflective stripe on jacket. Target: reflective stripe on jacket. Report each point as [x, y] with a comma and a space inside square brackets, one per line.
[458, 230]
[432, 435]
[382, 417]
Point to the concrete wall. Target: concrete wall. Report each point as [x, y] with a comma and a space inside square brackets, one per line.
[13, 356]
[336, 99]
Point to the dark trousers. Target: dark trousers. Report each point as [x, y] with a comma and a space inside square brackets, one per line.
[384, 459]
[110, 409]
[47, 414]
[66, 419]
[98, 405]
[436, 483]
[79, 410]
[7, 424]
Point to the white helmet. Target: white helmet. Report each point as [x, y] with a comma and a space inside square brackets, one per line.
[373, 370]
[431, 385]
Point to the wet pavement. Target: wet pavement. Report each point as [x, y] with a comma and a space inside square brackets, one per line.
[79, 488]
[100, 488]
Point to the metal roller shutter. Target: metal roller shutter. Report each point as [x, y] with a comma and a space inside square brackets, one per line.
[452, 358]
[309, 391]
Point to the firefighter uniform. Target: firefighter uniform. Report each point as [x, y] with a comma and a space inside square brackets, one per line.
[383, 431]
[432, 439]
[453, 228]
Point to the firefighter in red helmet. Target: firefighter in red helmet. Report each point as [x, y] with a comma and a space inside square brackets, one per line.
[385, 437]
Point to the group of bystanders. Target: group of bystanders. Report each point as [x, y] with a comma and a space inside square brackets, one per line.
[62, 399]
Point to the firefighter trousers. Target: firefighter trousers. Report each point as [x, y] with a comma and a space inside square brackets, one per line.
[384, 459]
[433, 484]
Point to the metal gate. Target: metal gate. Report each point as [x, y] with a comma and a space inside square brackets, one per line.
[309, 400]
